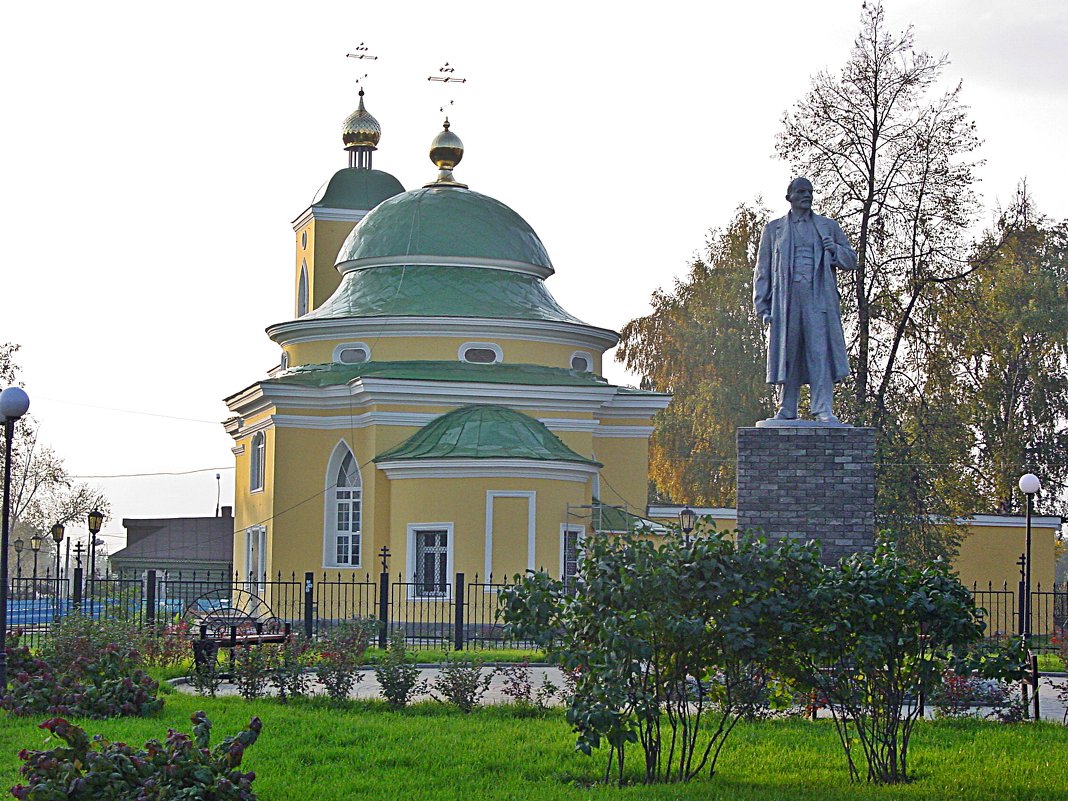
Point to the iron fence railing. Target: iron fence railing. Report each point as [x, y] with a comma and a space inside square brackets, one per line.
[429, 613]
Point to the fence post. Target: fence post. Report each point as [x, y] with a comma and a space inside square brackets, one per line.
[1036, 679]
[1023, 606]
[383, 608]
[309, 587]
[458, 601]
[77, 599]
[150, 599]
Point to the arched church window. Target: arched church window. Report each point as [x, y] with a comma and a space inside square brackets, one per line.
[302, 290]
[344, 511]
[257, 464]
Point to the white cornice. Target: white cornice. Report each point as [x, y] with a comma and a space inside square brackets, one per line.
[625, 405]
[487, 468]
[626, 432]
[238, 450]
[330, 215]
[427, 260]
[305, 329]
[977, 521]
[364, 420]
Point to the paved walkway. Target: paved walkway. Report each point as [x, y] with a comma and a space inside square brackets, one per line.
[1050, 705]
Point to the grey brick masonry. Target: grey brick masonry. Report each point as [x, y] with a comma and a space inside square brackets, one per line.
[813, 483]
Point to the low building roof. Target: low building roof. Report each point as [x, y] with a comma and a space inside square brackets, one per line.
[200, 539]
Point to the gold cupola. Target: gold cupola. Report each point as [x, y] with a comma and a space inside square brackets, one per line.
[446, 151]
[360, 132]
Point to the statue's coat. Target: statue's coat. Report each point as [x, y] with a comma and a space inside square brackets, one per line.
[771, 292]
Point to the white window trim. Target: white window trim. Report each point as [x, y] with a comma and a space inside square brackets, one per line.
[497, 352]
[532, 540]
[345, 346]
[260, 454]
[450, 571]
[333, 464]
[585, 354]
[566, 528]
[256, 558]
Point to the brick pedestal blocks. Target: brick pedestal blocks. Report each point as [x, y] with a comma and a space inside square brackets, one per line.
[809, 483]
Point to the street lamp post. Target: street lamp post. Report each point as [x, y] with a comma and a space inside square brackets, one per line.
[96, 520]
[35, 546]
[687, 522]
[18, 545]
[14, 403]
[1029, 486]
[57, 538]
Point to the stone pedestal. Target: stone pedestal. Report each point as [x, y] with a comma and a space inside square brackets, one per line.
[810, 483]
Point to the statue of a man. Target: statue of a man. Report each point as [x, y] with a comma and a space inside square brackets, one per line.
[795, 293]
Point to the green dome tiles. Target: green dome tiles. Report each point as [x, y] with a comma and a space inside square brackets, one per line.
[484, 432]
[357, 189]
[328, 375]
[438, 291]
[451, 222]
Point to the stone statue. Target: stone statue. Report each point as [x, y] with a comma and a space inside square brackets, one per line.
[795, 293]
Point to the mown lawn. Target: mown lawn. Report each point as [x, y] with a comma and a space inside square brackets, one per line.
[310, 751]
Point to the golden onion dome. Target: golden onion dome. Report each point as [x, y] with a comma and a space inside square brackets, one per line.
[360, 129]
[446, 151]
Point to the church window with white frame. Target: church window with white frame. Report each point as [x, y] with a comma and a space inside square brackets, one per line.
[430, 560]
[344, 511]
[257, 462]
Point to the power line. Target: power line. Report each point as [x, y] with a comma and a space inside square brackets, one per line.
[132, 411]
[149, 475]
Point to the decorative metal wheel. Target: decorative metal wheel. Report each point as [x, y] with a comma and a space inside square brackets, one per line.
[224, 609]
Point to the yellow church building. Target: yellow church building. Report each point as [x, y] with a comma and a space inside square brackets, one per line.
[433, 402]
[432, 397]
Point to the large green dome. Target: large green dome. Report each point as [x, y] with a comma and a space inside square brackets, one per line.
[444, 225]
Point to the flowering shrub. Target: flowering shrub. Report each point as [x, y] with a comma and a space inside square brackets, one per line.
[108, 684]
[168, 645]
[519, 686]
[340, 652]
[286, 664]
[966, 696]
[100, 770]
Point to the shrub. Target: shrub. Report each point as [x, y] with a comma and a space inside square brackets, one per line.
[461, 682]
[166, 646]
[518, 685]
[664, 645]
[397, 677]
[107, 685]
[205, 676]
[961, 696]
[251, 665]
[874, 635]
[340, 652]
[76, 636]
[100, 770]
[286, 668]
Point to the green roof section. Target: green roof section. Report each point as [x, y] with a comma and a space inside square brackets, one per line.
[615, 519]
[328, 375]
[442, 291]
[358, 189]
[484, 432]
[444, 221]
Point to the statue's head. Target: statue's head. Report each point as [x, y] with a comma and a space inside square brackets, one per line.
[799, 193]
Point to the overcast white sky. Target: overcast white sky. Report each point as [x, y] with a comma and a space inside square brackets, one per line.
[153, 156]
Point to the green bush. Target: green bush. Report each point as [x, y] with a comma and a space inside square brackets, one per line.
[460, 682]
[339, 654]
[107, 684]
[181, 767]
[397, 677]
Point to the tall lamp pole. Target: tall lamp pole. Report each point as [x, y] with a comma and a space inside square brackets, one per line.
[57, 538]
[35, 546]
[96, 520]
[14, 403]
[18, 545]
[1029, 486]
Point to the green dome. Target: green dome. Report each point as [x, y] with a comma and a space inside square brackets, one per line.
[484, 432]
[444, 225]
[359, 189]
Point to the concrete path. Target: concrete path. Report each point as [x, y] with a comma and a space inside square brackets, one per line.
[1051, 707]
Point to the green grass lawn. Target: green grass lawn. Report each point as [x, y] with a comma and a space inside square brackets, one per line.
[310, 750]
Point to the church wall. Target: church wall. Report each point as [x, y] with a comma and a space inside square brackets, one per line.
[624, 477]
[989, 554]
[325, 238]
[387, 348]
[463, 503]
[251, 508]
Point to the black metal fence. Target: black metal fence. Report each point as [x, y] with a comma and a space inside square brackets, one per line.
[456, 614]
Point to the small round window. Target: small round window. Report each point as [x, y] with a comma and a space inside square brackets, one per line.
[480, 356]
[303, 239]
[581, 362]
[352, 355]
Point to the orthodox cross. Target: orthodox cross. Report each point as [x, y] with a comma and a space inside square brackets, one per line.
[384, 556]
